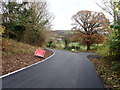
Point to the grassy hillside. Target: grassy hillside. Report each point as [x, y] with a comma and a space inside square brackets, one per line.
[16, 55]
[11, 47]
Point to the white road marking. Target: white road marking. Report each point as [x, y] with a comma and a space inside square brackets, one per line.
[27, 66]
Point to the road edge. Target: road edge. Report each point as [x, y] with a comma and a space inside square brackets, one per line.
[27, 66]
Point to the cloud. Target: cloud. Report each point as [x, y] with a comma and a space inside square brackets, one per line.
[64, 9]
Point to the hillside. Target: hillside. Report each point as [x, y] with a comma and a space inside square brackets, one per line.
[16, 55]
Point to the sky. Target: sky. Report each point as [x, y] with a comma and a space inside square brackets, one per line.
[63, 10]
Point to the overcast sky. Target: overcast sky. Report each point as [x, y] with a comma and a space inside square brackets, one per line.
[64, 9]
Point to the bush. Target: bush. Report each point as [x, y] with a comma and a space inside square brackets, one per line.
[103, 50]
[114, 43]
[50, 44]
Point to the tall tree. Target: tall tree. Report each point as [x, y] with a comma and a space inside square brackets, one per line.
[37, 23]
[27, 21]
[13, 14]
[91, 26]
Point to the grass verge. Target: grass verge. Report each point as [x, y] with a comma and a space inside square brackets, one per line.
[11, 47]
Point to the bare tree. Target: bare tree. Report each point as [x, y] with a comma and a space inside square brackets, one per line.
[110, 7]
[38, 22]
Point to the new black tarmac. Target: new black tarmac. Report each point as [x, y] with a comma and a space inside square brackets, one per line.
[63, 70]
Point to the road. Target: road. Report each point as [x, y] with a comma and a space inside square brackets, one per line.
[63, 70]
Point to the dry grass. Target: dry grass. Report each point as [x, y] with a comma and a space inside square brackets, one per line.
[11, 47]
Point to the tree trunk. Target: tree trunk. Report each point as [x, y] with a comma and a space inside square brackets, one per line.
[66, 44]
[88, 47]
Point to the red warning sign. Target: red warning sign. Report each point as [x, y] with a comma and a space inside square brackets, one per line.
[40, 53]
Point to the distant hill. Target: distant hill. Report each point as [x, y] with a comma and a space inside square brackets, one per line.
[62, 32]
[59, 32]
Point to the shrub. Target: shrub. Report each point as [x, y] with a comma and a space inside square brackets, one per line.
[114, 42]
[103, 50]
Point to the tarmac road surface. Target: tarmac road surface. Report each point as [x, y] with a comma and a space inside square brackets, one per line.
[63, 70]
